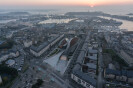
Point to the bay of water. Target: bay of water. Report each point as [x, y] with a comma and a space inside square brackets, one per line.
[58, 21]
[126, 24]
[6, 21]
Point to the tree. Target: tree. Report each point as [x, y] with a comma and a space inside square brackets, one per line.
[38, 84]
[7, 45]
[39, 81]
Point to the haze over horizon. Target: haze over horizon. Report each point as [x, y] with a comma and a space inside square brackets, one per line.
[64, 2]
[110, 6]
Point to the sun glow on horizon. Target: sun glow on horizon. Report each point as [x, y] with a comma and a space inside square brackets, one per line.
[90, 3]
[91, 6]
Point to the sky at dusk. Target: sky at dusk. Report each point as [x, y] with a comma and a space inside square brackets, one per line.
[64, 2]
[108, 6]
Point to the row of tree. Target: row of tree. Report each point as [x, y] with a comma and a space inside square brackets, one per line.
[38, 84]
[7, 45]
[8, 74]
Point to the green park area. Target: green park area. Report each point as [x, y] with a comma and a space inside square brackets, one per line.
[7, 44]
[54, 52]
[8, 75]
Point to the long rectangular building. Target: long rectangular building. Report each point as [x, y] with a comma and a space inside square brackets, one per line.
[38, 51]
[83, 79]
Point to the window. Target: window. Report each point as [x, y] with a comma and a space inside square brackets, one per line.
[87, 85]
[83, 82]
[79, 81]
[74, 77]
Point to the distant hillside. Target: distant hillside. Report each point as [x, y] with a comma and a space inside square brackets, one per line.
[130, 14]
[85, 13]
[18, 13]
[100, 14]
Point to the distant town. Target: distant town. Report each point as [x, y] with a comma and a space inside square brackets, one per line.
[72, 50]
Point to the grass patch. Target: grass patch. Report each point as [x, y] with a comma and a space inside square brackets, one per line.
[54, 52]
[8, 74]
[115, 57]
[25, 68]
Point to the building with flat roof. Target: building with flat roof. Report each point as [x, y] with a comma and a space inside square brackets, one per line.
[39, 50]
[85, 70]
[120, 76]
[83, 79]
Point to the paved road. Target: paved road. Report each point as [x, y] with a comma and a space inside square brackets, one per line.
[100, 64]
[63, 83]
[17, 81]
